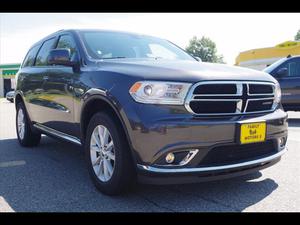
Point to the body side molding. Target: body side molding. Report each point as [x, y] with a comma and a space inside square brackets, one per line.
[58, 134]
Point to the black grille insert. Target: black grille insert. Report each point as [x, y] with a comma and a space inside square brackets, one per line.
[213, 106]
[215, 89]
[260, 89]
[259, 105]
[223, 155]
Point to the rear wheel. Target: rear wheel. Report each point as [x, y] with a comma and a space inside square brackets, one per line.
[108, 156]
[26, 136]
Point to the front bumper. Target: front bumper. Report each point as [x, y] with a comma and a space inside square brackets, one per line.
[158, 131]
[154, 175]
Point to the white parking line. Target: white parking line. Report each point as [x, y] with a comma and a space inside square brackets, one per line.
[12, 163]
[4, 206]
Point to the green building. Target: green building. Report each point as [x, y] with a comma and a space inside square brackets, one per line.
[7, 77]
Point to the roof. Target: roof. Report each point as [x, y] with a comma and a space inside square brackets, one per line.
[88, 30]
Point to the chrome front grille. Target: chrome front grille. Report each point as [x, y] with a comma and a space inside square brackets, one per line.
[230, 97]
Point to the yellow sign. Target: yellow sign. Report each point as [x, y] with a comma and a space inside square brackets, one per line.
[253, 132]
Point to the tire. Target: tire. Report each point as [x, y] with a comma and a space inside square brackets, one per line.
[123, 176]
[27, 137]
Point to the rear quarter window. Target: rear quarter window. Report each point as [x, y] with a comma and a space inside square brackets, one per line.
[30, 57]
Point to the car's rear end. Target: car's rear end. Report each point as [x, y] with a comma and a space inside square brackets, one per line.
[10, 96]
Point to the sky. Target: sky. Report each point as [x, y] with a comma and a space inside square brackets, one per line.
[232, 32]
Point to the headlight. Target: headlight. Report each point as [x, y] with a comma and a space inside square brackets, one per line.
[156, 92]
[277, 97]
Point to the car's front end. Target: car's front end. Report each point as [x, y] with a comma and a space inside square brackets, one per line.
[205, 130]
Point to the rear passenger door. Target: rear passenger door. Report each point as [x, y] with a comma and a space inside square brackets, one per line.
[34, 81]
[27, 86]
[58, 88]
[290, 84]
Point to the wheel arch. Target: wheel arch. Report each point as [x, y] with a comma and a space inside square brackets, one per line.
[98, 101]
[18, 98]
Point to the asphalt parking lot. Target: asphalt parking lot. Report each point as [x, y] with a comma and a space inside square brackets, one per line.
[52, 177]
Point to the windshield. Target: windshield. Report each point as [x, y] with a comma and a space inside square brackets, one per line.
[270, 68]
[113, 45]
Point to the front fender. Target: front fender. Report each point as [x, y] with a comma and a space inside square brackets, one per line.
[104, 95]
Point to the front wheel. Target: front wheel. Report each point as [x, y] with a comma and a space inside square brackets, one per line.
[26, 136]
[108, 156]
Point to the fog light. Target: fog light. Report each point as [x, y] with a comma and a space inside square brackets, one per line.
[282, 141]
[170, 158]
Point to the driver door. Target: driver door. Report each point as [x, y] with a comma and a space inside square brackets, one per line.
[59, 89]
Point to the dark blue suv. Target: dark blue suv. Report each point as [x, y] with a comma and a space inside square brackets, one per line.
[287, 72]
[143, 109]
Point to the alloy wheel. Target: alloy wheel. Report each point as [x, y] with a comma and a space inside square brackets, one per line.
[102, 153]
[21, 123]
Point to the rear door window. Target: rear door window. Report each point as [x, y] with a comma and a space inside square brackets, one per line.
[41, 59]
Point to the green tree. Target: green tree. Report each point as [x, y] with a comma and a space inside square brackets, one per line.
[297, 37]
[205, 49]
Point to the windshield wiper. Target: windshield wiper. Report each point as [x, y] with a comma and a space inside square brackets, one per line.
[117, 57]
[123, 57]
[156, 58]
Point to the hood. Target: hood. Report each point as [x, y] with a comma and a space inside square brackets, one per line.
[181, 70]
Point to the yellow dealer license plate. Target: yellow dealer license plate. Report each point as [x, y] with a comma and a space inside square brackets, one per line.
[253, 132]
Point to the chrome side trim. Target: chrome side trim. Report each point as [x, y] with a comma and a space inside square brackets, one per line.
[216, 100]
[56, 133]
[211, 168]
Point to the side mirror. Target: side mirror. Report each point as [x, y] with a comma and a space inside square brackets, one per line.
[282, 72]
[60, 56]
